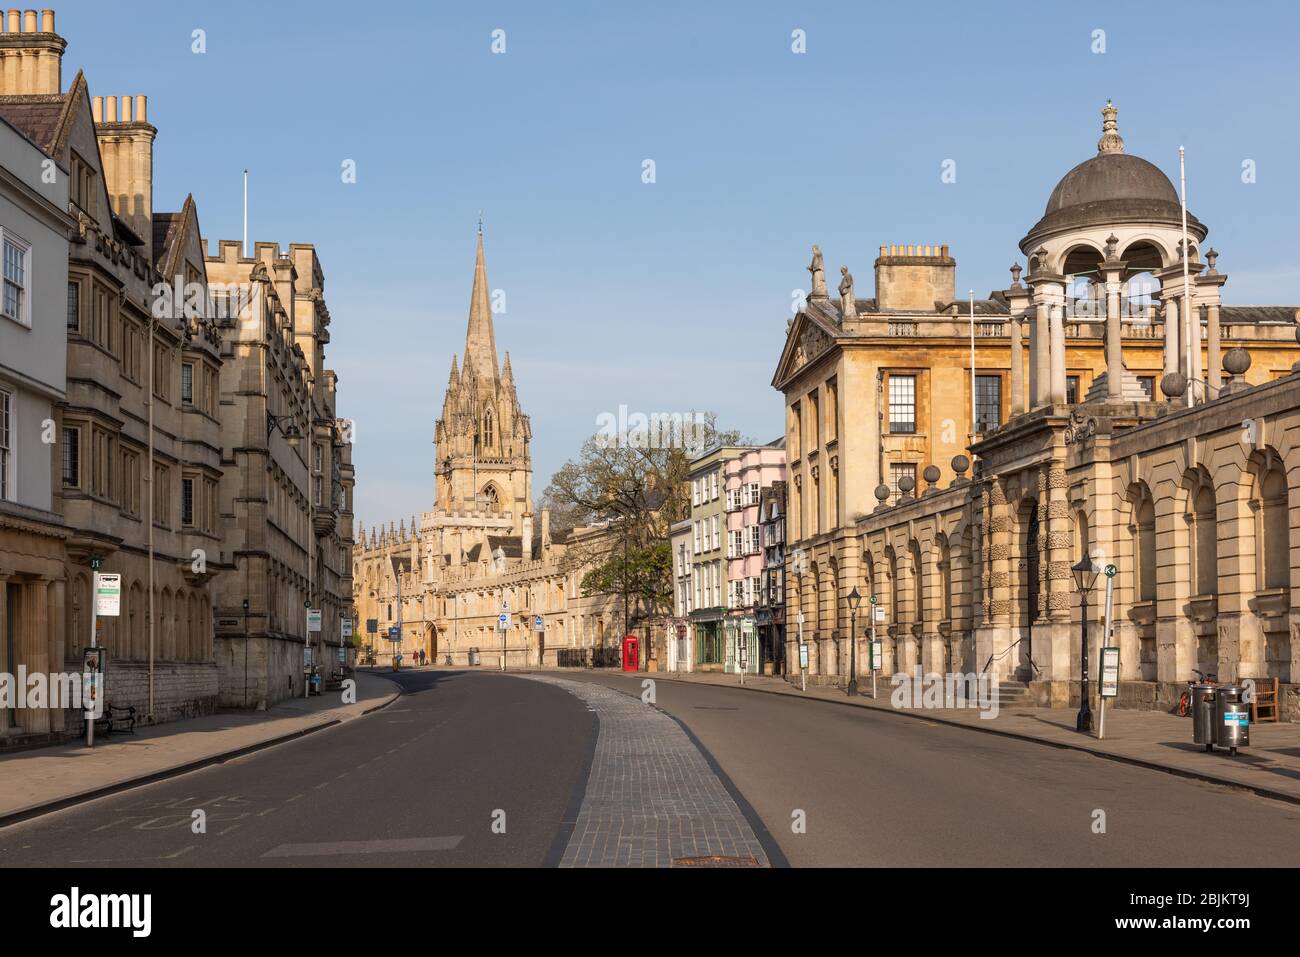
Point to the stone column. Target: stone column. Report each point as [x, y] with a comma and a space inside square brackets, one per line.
[1195, 374]
[56, 639]
[1042, 343]
[1171, 333]
[1058, 353]
[1214, 358]
[1000, 574]
[1114, 339]
[34, 638]
[6, 665]
[1017, 367]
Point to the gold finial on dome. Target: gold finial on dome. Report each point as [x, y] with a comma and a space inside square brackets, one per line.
[1111, 141]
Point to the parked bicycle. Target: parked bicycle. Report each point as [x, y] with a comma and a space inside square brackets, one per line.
[1185, 699]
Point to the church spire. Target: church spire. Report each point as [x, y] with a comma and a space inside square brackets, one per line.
[480, 340]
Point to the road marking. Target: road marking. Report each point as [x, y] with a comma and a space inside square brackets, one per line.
[400, 845]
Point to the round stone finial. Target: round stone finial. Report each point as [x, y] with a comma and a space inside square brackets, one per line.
[906, 484]
[1173, 385]
[960, 464]
[931, 474]
[1237, 360]
[882, 492]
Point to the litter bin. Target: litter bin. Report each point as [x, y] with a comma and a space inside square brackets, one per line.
[1231, 718]
[1203, 714]
[473, 657]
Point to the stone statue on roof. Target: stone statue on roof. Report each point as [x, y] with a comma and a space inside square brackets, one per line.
[818, 274]
[848, 305]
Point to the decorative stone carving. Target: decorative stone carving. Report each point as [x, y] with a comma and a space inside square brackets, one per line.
[1081, 427]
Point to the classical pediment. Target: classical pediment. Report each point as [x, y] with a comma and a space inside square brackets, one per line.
[808, 337]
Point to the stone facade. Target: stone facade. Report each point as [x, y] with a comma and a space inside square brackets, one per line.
[1079, 456]
[147, 468]
[445, 579]
[287, 488]
[34, 225]
[131, 353]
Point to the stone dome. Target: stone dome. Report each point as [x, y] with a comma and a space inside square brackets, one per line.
[1111, 188]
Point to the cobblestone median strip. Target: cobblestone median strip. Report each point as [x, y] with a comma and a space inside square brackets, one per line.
[651, 799]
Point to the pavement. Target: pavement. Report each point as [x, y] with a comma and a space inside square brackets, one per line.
[472, 767]
[34, 782]
[844, 786]
[651, 798]
[462, 770]
[1270, 766]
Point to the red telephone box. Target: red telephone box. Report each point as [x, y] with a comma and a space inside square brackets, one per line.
[630, 658]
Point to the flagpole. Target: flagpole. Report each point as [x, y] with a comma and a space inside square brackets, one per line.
[245, 214]
[972, 366]
[1187, 298]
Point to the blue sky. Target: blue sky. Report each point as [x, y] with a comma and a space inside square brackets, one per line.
[671, 296]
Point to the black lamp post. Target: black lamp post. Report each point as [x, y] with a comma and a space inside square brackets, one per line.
[1085, 573]
[855, 599]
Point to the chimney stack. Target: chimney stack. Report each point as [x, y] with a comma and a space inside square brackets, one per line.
[526, 537]
[31, 55]
[126, 145]
[914, 278]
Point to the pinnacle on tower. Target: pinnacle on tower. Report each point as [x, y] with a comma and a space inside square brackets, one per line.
[480, 339]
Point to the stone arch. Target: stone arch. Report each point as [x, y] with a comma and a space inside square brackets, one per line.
[1267, 498]
[135, 642]
[491, 497]
[1143, 529]
[1147, 252]
[1200, 512]
[166, 626]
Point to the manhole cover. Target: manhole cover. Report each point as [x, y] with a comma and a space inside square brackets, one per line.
[716, 860]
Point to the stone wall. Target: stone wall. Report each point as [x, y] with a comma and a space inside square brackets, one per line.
[181, 689]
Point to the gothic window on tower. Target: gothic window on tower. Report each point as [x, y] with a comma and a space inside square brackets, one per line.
[487, 429]
[490, 499]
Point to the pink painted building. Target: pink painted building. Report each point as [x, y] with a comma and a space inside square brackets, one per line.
[747, 476]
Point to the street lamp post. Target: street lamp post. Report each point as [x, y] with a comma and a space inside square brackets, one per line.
[855, 599]
[1085, 573]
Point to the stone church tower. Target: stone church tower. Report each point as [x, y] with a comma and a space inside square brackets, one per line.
[482, 458]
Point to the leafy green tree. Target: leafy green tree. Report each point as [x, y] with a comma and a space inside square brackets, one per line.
[640, 490]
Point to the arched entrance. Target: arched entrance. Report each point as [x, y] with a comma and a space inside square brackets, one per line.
[431, 643]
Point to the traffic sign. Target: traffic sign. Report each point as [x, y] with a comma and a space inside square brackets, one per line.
[538, 624]
[345, 626]
[394, 633]
[503, 620]
[108, 594]
[313, 619]
[1111, 571]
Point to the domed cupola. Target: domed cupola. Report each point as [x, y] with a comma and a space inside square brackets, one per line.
[1110, 189]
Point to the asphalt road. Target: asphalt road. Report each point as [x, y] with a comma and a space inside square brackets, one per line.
[414, 784]
[419, 782]
[887, 790]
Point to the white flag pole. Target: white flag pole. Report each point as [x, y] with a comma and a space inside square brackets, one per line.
[245, 214]
[972, 367]
[1187, 298]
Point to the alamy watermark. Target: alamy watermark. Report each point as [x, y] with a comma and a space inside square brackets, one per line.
[57, 690]
[654, 430]
[955, 690]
